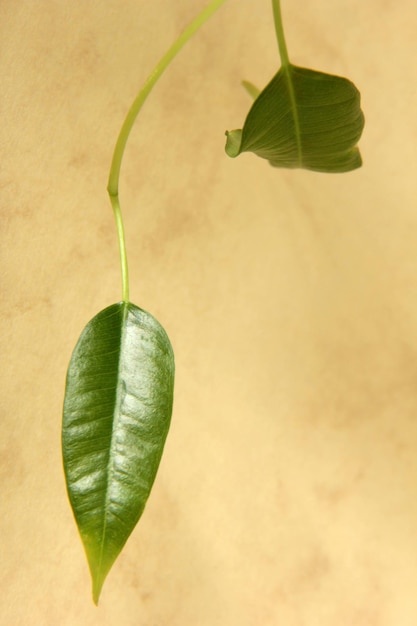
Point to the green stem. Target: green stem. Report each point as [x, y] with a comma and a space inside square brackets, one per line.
[114, 199]
[280, 33]
[286, 67]
[113, 183]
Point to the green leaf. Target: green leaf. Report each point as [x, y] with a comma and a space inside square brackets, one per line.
[303, 118]
[117, 411]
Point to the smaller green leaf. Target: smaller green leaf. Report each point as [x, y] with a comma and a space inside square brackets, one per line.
[303, 119]
[117, 411]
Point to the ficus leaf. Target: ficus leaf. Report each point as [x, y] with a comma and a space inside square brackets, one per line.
[303, 119]
[117, 411]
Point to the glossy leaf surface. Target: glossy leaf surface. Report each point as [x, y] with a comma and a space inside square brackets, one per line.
[303, 119]
[117, 411]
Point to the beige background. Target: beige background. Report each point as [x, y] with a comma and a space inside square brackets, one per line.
[287, 492]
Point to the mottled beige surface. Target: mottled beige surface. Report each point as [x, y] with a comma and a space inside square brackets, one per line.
[287, 493]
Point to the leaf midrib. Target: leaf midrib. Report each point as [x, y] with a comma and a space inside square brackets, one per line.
[110, 466]
[286, 68]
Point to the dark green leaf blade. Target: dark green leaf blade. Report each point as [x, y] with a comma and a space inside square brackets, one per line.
[303, 119]
[117, 412]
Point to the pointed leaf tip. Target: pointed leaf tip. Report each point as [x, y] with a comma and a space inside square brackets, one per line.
[233, 142]
[117, 411]
[303, 119]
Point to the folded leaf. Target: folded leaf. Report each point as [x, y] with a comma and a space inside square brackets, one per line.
[305, 119]
[117, 411]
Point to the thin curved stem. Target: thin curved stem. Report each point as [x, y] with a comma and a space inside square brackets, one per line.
[279, 29]
[114, 175]
[122, 246]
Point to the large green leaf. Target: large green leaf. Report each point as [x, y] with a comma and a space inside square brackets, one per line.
[305, 119]
[117, 411]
